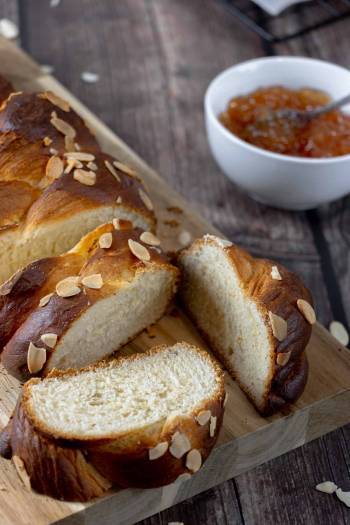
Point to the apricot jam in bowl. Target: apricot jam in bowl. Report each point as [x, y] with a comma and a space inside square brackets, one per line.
[277, 162]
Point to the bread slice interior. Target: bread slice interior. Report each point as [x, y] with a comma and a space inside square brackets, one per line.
[231, 321]
[112, 321]
[125, 395]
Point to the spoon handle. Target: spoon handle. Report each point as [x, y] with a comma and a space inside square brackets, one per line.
[329, 107]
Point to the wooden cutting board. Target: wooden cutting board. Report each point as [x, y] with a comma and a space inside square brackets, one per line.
[246, 439]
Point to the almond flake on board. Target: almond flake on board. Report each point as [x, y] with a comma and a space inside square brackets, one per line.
[139, 250]
[49, 339]
[119, 200]
[89, 77]
[93, 281]
[146, 199]
[68, 287]
[55, 100]
[194, 460]
[21, 471]
[158, 451]
[54, 167]
[80, 155]
[283, 358]
[180, 444]
[203, 417]
[85, 177]
[36, 358]
[44, 300]
[123, 167]
[327, 486]
[149, 238]
[112, 170]
[279, 326]
[105, 241]
[8, 29]
[339, 331]
[275, 273]
[63, 127]
[92, 166]
[306, 309]
[344, 497]
[212, 426]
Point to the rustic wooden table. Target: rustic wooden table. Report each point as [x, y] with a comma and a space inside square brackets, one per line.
[155, 59]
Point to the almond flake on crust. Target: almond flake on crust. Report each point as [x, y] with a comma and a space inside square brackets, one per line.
[283, 358]
[54, 167]
[275, 273]
[44, 300]
[47, 141]
[139, 250]
[116, 223]
[212, 427]
[49, 339]
[112, 170]
[93, 281]
[55, 100]
[180, 444]
[279, 326]
[36, 358]
[203, 417]
[123, 167]
[194, 460]
[80, 155]
[85, 177]
[146, 199]
[149, 238]
[63, 127]
[119, 200]
[92, 166]
[105, 241]
[158, 451]
[68, 287]
[306, 309]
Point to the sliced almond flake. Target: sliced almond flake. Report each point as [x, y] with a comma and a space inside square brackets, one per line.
[139, 250]
[123, 167]
[63, 127]
[69, 144]
[8, 29]
[93, 281]
[92, 166]
[344, 497]
[80, 155]
[85, 177]
[44, 300]
[119, 200]
[112, 170]
[212, 427]
[275, 274]
[339, 331]
[21, 471]
[283, 358]
[71, 163]
[89, 77]
[180, 444]
[68, 287]
[224, 243]
[49, 339]
[279, 326]
[47, 141]
[184, 238]
[55, 100]
[77, 146]
[306, 309]
[145, 199]
[203, 417]
[327, 486]
[54, 167]
[149, 238]
[53, 151]
[105, 241]
[36, 358]
[116, 224]
[158, 451]
[194, 460]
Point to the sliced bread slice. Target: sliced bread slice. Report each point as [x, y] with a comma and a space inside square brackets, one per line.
[74, 309]
[140, 421]
[255, 314]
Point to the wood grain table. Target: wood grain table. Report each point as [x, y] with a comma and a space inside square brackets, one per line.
[155, 59]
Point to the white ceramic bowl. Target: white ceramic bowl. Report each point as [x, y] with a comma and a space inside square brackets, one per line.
[283, 181]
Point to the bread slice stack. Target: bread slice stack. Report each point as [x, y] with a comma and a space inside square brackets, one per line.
[142, 421]
[256, 316]
[55, 183]
[77, 308]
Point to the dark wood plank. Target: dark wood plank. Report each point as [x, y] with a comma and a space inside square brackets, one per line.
[155, 60]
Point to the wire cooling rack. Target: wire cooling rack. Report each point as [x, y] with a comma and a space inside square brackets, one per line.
[310, 16]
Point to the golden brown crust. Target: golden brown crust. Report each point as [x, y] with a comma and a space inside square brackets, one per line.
[280, 297]
[23, 320]
[57, 466]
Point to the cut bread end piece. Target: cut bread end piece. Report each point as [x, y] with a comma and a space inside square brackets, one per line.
[137, 421]
[238, 306]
